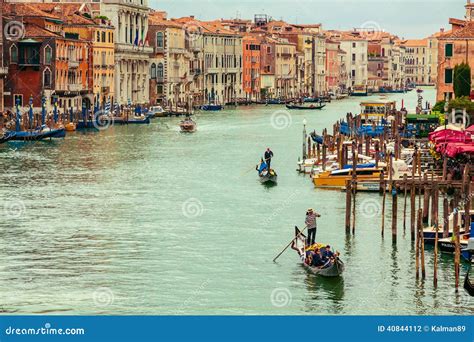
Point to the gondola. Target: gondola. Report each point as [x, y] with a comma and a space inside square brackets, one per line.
[39, 134]
[333, 268]
[188, 125]
[312, 106]
[269, 178]
[211, 107]
[469, 281]
[6, 135]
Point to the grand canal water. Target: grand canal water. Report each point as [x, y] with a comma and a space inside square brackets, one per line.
[145, 220]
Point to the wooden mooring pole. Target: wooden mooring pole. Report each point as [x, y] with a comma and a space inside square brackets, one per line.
[394, 213]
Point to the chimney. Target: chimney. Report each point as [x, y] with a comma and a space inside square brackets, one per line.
[191, 16]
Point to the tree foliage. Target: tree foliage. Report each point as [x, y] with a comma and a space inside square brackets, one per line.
[462, 80]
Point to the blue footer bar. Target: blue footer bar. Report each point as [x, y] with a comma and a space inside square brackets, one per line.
[237, 328]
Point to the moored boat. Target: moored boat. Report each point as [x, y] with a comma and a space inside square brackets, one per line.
[6, 136]
[120, 120]
[337, 178]
[38, 134]
[332, 268]
[448, 245]
[157, 111]
[212, 107]
[360, 90]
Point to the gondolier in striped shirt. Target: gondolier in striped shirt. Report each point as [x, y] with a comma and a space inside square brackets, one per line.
[310, 222]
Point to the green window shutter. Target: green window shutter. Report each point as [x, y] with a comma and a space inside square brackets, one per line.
[448, 76]
[448, 50]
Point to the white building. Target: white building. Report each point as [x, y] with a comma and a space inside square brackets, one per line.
[130, 19]
[356, 61]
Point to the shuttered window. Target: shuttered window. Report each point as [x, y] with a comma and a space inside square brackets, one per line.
[448, 50]
[448, 76]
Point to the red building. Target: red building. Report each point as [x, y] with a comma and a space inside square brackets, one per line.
[42, 61]
[333, 65]
[251, 67]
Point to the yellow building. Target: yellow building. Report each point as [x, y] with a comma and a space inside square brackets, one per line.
[100, 34]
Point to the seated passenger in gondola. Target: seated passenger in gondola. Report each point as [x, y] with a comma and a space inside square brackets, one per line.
[327, 253]
[262, 167]
[317, 259]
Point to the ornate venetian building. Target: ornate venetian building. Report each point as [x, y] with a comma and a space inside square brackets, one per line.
[130, 19]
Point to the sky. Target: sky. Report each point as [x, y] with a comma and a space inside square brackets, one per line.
[409, 19]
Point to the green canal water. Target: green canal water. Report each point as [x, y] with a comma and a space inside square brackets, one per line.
[146, 220]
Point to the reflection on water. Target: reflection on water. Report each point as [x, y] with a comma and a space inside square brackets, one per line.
[320, 289]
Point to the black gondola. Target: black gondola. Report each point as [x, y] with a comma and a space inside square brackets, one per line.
[469, 282]
[268, 177]
[311, 106]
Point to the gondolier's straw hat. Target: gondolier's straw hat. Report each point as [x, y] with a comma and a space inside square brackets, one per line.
[310, 209]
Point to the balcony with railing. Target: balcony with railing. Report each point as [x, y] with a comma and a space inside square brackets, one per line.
[74, 86]
[73, 63]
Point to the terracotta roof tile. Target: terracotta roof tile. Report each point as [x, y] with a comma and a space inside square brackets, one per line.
[466, 32]
[26, 10]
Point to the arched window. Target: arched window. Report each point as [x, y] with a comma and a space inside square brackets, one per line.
[47, 78]
[153, 70]
[13, 54]
[160, 70]
[47, 54]
[159, 39]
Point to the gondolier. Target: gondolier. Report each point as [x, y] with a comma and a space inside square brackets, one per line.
[310, 222]
[268, 157]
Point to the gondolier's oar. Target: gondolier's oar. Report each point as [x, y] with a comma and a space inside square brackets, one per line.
[290, 243]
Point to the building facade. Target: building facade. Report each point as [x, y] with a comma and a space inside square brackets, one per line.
[130, 20]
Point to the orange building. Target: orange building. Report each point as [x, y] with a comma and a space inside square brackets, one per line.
[454, 47]
[44, 61]
[251, 66]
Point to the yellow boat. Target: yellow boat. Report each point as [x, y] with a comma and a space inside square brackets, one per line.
[338, 178]
[70, 127]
